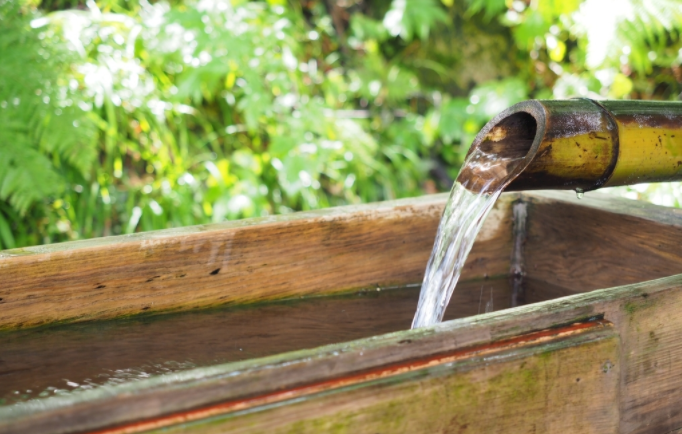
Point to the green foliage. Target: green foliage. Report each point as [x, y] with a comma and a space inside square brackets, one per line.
[413, 18]
[118, 116]
[41, 127]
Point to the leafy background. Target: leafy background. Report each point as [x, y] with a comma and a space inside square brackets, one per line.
[119, 116]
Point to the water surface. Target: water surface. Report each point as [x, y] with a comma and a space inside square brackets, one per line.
[57, 360]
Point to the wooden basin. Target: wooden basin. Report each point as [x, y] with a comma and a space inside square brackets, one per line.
[298, 324]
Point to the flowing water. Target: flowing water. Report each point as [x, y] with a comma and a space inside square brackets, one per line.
[486, 171]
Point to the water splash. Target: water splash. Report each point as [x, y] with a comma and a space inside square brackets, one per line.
[103, 380]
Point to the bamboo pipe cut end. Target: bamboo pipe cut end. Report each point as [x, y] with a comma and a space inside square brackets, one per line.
[554, 144]
[501, 149]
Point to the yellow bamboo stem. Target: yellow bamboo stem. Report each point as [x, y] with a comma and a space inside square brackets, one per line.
[583, 144]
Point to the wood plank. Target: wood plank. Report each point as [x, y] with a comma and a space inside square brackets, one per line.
[651, 384]
[651, 387]
[206, 387]
[129, 400]
[566, 384]
[600, 241]
[35, 362]
[310, 253]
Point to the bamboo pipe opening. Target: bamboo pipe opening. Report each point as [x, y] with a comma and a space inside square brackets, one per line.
[511, 138]
[504, 148]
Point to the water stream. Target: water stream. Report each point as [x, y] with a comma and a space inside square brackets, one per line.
[487, 170]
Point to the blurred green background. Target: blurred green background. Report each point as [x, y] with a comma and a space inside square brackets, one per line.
[119, 116]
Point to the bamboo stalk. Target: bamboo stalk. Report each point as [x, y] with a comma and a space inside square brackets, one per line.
[581, 144]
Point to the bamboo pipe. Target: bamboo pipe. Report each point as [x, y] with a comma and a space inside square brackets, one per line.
[582, 144]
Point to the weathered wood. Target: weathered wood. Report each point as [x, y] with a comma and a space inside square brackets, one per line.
[308, 253]
[549, 361]
[202, 388]
[383, 244]
[600, 241]
[566, 384]
[644, 244]
[517, 268]
[651, 384]
[35, 361]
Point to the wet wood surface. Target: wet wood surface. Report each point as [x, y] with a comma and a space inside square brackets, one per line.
[54, 361]
[565, 384]
[651, 383]
[645, 317]
[213, 391]
[599, 242]
[647, 321]
[321, 252]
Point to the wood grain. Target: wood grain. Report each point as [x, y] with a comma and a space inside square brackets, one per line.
[337, 249]
[600, 241]
[533, 372]
[206, 387]
[566, 384]
[581, 244]
[651, 386]
[36, 362]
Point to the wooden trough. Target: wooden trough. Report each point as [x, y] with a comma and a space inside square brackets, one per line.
[569, 358]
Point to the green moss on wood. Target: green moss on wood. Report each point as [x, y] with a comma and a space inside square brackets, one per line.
[467, 397]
